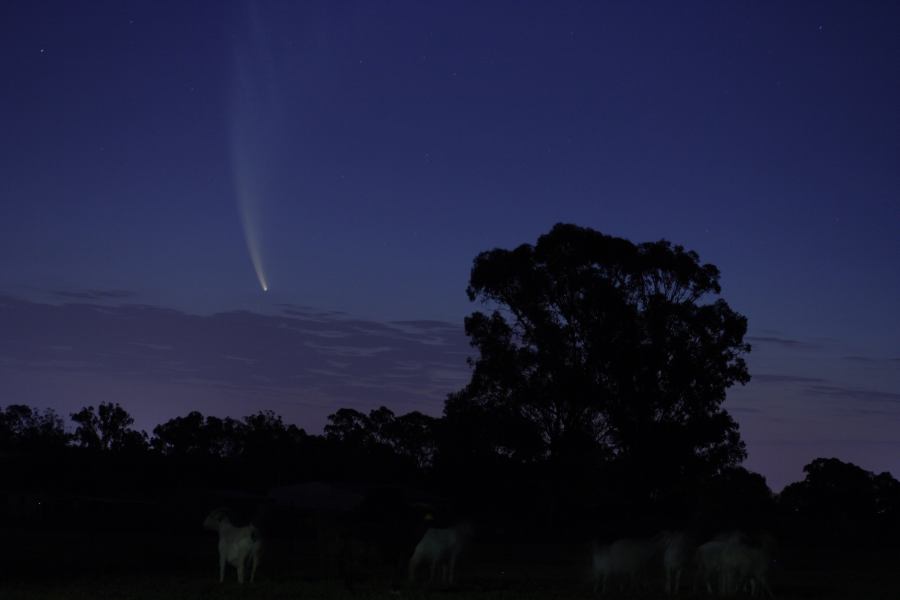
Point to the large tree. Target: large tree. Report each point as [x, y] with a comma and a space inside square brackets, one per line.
[604, 347]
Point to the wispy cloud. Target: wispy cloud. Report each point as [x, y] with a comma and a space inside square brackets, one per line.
[779, 341]
[874, 361]
[777, 378]
[94, 294]
[854, 393]
[749, 410]
[160, 347]
[819, 442]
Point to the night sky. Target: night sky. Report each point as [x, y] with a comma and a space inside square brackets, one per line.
[162, 161]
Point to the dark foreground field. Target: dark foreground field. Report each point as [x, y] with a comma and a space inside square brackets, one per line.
[44, 566]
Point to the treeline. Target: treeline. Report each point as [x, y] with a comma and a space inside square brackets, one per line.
[103, 456]
[253, 453]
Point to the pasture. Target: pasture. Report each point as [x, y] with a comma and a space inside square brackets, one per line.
[75, 565]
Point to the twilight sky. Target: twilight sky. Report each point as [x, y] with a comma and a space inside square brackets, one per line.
[160, 161]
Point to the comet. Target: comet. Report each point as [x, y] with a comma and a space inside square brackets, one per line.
[250, 221]
[256, 122]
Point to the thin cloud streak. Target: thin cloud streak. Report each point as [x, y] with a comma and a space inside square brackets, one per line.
[779, 341]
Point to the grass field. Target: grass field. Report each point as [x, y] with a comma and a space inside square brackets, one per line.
[163, 567]
[164, 587]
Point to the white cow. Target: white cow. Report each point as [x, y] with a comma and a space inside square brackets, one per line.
[238, 546]
[624, 561]
[748, 568]
[440, 547]
[710, 565]
[676, 556]
[730, 564]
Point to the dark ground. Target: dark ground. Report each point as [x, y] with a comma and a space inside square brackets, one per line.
[45, 565]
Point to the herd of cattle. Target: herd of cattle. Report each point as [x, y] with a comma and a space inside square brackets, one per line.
[730, 564]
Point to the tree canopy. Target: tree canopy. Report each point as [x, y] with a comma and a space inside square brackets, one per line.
[25, 428]
[107, 428]
[595, 344]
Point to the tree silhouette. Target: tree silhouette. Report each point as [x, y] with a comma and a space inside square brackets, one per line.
[198, 436]
[735, 499]
[833, 487]
[107, 428]
[349, 427]
[181, 436]
[29, 429]
[598, 343]
[223, 436]
[841, 500]
[412, 436]
[381, 445]
[380, 422]
[264, 434]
